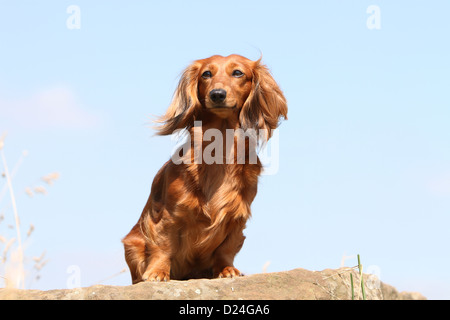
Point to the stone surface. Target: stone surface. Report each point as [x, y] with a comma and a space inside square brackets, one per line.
[298, 284]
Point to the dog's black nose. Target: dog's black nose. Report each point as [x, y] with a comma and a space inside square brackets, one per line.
[218, 95]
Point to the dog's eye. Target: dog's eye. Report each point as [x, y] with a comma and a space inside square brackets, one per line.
[206, 74]
[237, 73]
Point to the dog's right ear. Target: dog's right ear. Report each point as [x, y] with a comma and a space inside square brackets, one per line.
[185, 106]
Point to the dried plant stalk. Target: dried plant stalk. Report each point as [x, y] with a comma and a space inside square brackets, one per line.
[20, 279]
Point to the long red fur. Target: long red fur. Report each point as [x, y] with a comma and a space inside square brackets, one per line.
[192, 224]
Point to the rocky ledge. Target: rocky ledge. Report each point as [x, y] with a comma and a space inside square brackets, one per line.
[298, 284]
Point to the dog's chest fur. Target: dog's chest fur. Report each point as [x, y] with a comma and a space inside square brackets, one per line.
[223, 195]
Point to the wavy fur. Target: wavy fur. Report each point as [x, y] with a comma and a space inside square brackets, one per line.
[192, 225]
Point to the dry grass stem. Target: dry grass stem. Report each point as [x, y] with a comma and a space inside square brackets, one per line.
[50, 178]
[29, 192]
[37, 259]
[6, 249]
[20, 280]
[30, 230]
[39, 266]
[13, 172]
[2, 140]
[40, 189]
[113, 276]
[265, 266]
[12, 256]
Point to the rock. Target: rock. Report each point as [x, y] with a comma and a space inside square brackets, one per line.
[298, 284]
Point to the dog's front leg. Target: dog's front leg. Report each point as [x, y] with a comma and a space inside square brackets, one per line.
[158, 268]
[224, 256]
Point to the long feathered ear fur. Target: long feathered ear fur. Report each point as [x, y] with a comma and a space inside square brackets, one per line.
[185, 106]
[266, 104]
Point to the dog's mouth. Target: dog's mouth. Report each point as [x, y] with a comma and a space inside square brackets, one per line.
[224, 107]
[220, 107]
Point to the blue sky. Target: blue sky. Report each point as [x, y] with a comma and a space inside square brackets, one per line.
[364, 157]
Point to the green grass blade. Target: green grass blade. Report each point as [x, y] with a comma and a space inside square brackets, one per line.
[353, 289]
[360, 267]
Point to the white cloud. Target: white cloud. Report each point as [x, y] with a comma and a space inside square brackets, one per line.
[56, 107]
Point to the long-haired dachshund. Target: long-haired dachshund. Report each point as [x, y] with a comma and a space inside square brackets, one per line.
[192, 225]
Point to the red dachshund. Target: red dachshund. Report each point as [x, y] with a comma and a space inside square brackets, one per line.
[192, 225]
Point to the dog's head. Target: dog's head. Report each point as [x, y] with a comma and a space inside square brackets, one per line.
[224, 86]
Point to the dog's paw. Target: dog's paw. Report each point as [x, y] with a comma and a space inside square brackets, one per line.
[156, 275]
[229, 272]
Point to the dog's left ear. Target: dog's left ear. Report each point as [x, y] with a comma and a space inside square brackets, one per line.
[185, 105]
[266, 104]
